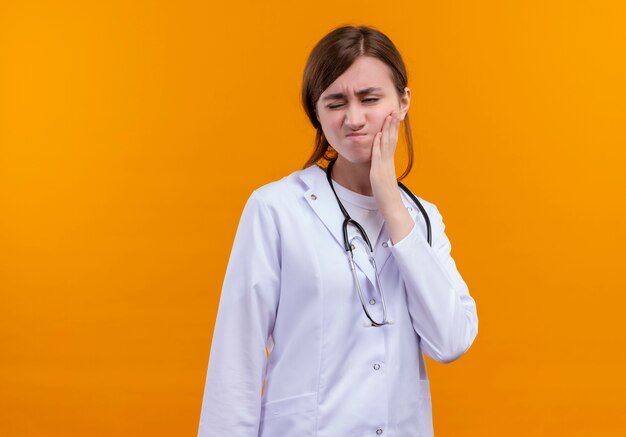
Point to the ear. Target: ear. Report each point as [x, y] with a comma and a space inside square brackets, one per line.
[405, 102]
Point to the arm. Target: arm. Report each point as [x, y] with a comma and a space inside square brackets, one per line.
[442, 311]
[232, 395]
[441, 308]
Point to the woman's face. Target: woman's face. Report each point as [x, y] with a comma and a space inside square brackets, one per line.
[353, 108]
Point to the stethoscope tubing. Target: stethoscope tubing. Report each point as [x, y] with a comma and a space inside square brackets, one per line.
[349, 220]
[429, 235]
[366, 242]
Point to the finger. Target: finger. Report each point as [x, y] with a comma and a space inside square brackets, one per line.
[386, 134]
[393, 136]
[376, 148]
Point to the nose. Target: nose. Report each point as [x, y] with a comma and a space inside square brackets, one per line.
[355, 117]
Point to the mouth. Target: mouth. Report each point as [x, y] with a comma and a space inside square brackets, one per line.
[356, 135]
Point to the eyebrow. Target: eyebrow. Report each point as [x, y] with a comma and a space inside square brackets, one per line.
[358, 93]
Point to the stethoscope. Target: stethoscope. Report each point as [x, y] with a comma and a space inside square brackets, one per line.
[364, 240]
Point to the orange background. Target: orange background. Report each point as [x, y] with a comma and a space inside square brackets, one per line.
[132, 133]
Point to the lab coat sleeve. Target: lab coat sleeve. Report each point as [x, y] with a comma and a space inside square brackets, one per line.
[442, 311]
[232, 395]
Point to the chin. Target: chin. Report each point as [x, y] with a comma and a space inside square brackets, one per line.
[358, 159]
[359, 154]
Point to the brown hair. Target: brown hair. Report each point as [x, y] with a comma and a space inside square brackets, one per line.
[333, 55]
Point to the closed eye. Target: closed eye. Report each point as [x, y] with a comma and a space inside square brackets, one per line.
[367, 100]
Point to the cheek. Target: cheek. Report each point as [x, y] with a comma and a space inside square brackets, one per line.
[378, 118]
[330, 124]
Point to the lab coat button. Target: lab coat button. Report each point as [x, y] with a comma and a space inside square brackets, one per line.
[313, 197]
[409, 208]
[372, 302]
[376, 366]
[385, 244]
[379, 431]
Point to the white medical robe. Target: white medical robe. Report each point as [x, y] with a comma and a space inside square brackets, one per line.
[289, 287]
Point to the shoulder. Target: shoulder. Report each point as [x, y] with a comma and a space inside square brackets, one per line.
[429, 207]
[288, 189]
[425, 213]
[281, 201]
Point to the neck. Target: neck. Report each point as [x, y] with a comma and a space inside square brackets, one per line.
[355, 177]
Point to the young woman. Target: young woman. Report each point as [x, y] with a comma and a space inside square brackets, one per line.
[345, 325]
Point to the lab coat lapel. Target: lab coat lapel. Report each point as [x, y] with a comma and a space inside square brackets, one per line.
[321, 199]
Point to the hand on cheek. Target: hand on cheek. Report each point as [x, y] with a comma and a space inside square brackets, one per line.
[384, 182]
[382, 171]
